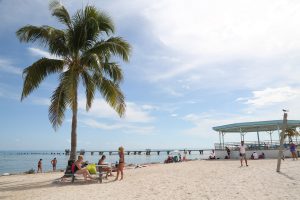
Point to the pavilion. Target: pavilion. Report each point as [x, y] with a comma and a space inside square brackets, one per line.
[270, 127]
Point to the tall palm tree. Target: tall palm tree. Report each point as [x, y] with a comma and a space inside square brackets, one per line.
[84, 49]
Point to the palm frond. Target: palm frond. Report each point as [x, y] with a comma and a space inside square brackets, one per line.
[40, 34]
[90, 87]
[111, 93]
[60, 12]
[114, 71]
[59, 103]
[35, 74]
[105, 23]
[115, 46]
[47, 36]
[90, 59]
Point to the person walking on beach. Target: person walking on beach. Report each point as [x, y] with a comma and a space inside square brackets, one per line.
[228, 152]
[242, 148]
[121, 163]
[184, 155]
[293, 151]
[54, 162]
[40, 167]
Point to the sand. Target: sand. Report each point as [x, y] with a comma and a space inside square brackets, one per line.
[189, 180]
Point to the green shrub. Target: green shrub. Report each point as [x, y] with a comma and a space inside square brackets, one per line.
[31, 171]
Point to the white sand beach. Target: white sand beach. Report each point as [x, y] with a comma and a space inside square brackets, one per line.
[189, 180]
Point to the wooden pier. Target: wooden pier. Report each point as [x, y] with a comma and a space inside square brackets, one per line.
[129, 152]
[139, 152]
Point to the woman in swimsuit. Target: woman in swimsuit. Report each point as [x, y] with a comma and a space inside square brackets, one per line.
[121, 163]
[81, 170]
[40, 168]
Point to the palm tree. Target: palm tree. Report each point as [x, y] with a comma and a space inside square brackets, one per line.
[291, 133]
[85, 48]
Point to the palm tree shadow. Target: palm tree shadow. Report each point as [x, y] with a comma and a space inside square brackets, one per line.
[27, 186]
[18, 186]
[287, 176]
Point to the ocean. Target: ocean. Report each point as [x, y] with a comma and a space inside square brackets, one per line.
[20, 161]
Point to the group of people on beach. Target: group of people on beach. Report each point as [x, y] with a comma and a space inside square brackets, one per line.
[80, 166]
[40, 165]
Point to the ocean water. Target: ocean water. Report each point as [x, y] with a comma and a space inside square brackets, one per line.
[21, 161]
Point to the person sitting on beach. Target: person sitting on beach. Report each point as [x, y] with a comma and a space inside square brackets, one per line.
[212, 155]
[54, 162]
[78, 169]
[242, 149]
[40, 167]
[254, 156]
[106, 169]
[121, 163]
[262, 156]
[169, 159]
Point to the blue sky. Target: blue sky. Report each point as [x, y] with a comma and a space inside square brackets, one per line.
[194, 65]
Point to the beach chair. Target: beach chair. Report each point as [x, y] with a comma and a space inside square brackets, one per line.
[71, 173]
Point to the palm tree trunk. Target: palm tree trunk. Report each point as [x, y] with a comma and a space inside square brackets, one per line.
[74, 129]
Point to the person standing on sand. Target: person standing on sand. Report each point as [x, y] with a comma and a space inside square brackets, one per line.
[228, 152]
[293, 151]
[54, 162]
[184, 155]
[242, 148]
[121, 163]
[40, 167]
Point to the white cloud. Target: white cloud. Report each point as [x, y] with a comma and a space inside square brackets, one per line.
[270, 96]
[149, 107]
[41, 101]
[41, 53]
[125, 127]
[100, 109]
[7, 66]
[232, 45]
[218, 28]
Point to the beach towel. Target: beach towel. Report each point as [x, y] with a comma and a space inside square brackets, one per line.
[92, 168]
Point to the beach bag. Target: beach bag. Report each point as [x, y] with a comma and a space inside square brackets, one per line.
[92, 168]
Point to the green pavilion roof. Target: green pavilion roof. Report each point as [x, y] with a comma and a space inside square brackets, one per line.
[256, 126]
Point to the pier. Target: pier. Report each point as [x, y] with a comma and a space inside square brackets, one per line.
[146, 152]
[139, 152]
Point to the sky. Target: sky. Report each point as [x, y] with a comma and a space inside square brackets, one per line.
[194, 65]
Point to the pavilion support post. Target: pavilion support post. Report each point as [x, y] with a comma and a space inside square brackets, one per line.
[220, 140]
[271, 137]
[258, 138]
[223, 140]
[242, 135]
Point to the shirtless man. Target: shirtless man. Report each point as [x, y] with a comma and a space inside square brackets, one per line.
[242, 148]
[54, 162]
